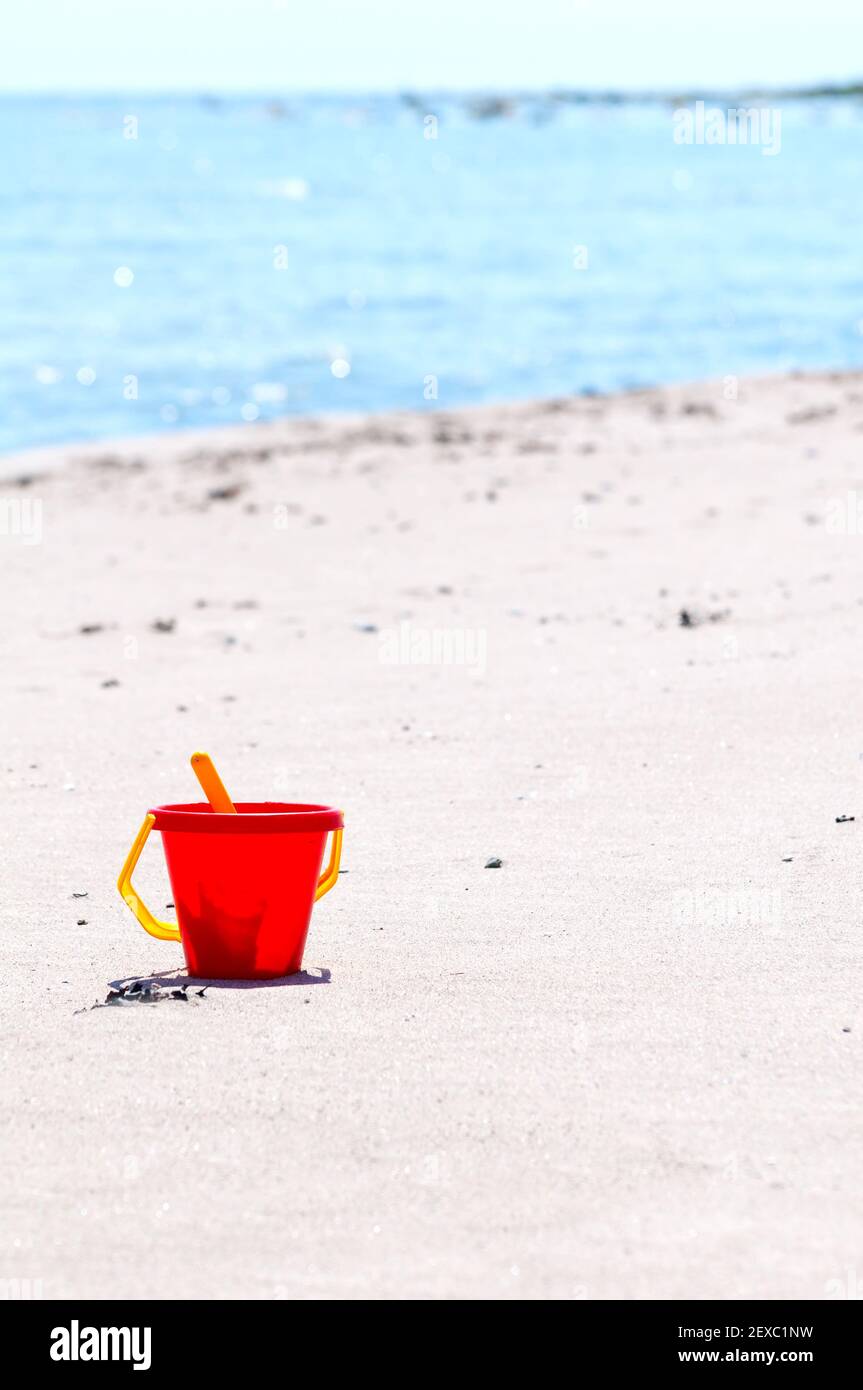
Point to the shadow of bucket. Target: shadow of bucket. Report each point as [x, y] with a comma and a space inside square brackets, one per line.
[243, 885]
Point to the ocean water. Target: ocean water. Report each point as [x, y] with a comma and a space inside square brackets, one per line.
[167, 263]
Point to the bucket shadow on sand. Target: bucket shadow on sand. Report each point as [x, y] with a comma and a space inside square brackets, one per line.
[182, 979]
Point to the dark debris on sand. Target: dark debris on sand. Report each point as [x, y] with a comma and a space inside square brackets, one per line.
[226, 493]
[147, 992]
[688, 617]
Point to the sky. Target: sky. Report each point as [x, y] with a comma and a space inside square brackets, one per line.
[276, 46]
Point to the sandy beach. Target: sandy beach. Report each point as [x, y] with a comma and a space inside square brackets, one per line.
[611, 641]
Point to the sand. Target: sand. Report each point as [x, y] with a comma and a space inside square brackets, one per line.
[625, 1064]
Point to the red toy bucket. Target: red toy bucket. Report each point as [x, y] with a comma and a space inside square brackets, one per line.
[244, 885]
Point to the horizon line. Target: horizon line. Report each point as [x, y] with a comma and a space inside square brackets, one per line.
[851, 87]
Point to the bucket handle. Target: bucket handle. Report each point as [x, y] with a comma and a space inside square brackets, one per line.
[163, 931]
[328, 878]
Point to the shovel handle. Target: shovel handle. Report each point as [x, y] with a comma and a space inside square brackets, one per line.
[328, 878]
[163, 931]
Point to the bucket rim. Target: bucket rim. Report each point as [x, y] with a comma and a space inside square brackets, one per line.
[252, 818]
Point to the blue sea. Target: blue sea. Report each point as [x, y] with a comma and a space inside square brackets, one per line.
[168, 263]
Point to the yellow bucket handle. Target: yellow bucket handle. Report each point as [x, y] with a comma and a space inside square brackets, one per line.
[163, 931]
[331, 872]
[167, 931]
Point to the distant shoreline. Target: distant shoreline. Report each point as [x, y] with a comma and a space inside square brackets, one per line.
[819, 91]
[127, 452]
